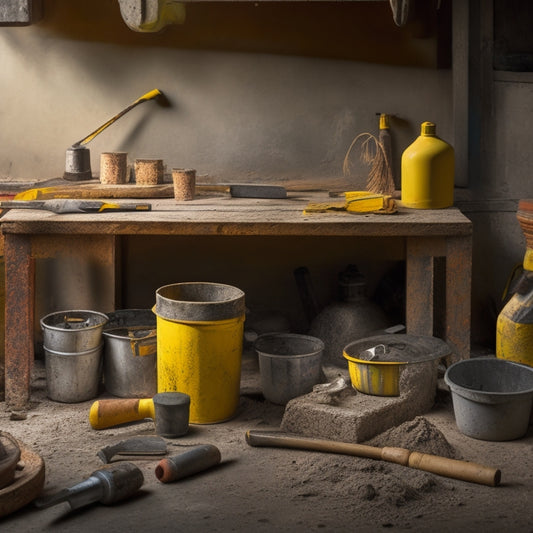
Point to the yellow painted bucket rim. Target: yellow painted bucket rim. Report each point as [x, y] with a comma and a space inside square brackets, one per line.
[377, 363]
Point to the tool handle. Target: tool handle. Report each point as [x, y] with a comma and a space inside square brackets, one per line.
[21, 204]
[107, 485]
[147, 96]
[283, 440]
[191, 462]
[443, 466]
[453, 468]
[108, 413]
[108, 206]
[119, 481]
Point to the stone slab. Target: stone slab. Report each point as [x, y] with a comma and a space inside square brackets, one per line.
[351, 416]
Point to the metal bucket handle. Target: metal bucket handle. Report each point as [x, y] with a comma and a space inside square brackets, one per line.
[145, 344]
[79, 322]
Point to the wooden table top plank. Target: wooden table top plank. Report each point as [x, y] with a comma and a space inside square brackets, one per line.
[240, 216]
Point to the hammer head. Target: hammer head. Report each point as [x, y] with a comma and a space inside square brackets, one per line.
[171, 411]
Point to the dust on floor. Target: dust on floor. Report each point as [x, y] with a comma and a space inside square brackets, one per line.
[273, 489]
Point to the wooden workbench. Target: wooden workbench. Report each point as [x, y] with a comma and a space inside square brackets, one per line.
[424, 234]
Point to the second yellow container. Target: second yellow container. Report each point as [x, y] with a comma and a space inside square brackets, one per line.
[428, 171]
[199, 346]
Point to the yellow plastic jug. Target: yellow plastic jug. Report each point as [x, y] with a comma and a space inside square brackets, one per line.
[428, 171]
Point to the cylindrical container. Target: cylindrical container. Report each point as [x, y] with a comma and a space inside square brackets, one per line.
[172, 410]
[187, 463]
[199, 346]
[78, 164]
[428, 171]
[130, 354]
[289, 365]
[491, 397]
[149, 171]
[114, 168]
[184, 180]
[73, 377]
[73, 331]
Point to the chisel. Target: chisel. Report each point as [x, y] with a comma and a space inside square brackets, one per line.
[73, 206]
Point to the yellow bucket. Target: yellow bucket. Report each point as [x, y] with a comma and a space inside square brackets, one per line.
[375, 378]
[199, 347]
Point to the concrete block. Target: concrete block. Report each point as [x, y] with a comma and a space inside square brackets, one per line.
[20, 12]
[351, 416]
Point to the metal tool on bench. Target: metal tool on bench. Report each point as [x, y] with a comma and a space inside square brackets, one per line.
[108, 485]
[169, 410]
[78, 158]
[73, 206]
[452, 468]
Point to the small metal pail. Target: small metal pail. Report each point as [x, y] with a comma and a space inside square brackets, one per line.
[130, 354]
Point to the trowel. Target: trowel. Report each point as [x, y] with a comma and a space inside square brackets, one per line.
[73, 206]
[78, 159]
[151, 445]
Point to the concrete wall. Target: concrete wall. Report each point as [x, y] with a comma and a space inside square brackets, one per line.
[258, 92]
[249, 98]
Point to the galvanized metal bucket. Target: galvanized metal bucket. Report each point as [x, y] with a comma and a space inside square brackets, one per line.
[73, 331]
[73, 377]
[289, 365]
[492, 398]
[130, 354]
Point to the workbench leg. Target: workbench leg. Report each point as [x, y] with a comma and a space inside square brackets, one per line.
[459, 295]
[19, 311]
[419, 287]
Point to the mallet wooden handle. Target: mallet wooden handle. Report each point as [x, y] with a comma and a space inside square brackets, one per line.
[108, 413]
[452, 468]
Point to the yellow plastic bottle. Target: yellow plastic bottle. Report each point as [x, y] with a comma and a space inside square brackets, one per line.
[428, 171]
[514, 327]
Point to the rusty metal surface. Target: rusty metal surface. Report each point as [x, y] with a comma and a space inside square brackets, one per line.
[458, 295]
[19, 267]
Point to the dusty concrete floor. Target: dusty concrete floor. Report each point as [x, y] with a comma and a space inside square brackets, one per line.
[268, 489]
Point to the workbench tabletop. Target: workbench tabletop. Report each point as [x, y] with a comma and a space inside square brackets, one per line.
[240, 216]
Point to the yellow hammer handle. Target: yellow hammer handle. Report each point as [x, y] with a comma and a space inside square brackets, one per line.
[108, 413]
[148, 96]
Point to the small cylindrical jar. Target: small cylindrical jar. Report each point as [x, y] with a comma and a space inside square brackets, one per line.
[114, 168]
[184, 180]
[149, 171]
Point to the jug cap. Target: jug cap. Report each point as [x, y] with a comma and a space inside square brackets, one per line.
[428, 128]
